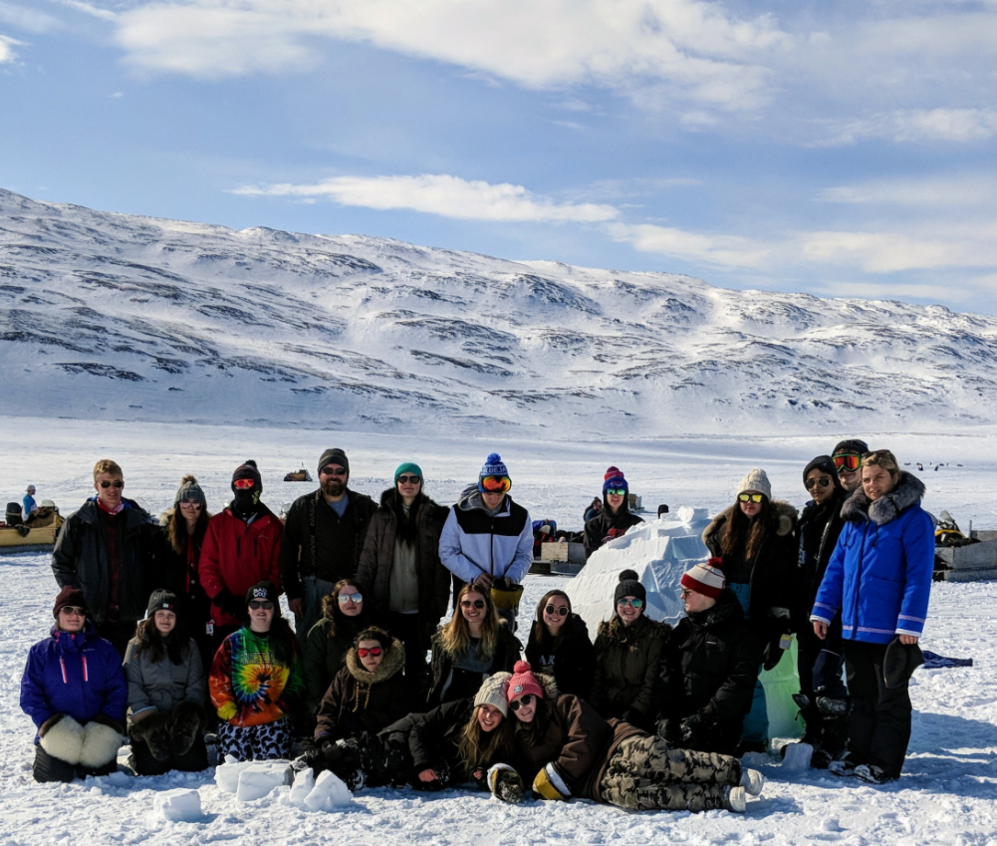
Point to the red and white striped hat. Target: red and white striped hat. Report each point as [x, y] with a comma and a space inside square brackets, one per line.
[706, 578]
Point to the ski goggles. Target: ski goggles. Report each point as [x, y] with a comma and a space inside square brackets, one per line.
[850, 461]
[257, 604]
[823, 481]
[244, 484]
[350, 597]
[117, 483]
[363, 652]
[616, 491]
[624, 602]
[751, 497]
[557, 612]
[494, 484]
[525, 699]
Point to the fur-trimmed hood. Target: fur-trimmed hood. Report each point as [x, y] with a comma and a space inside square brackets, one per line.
[394, 661]
[785, 516]
[858, 507]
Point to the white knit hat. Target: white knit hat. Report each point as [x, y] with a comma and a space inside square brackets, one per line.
[756, 480]
[706, 579]
[492, 692]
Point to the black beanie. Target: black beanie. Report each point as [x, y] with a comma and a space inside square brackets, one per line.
[334, 456]
[264, 590]
[824, 463]
[852, 445]
[161, 600]
[629, 586]
[247, 470]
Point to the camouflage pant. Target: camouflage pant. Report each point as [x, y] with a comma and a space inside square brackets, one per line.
[646, 774]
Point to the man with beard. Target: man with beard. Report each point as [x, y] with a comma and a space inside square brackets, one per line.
[323, 538]
[241, 548]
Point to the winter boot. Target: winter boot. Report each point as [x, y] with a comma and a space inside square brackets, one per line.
[752, 781]
[734, 800]
[154, 732]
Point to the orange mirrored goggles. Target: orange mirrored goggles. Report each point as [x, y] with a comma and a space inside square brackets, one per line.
[495, 484]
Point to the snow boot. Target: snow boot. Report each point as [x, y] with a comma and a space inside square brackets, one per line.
[734, 800]
[752, 781]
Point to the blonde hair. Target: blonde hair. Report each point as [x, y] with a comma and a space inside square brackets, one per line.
[455, 636]
[478, 748]
[106, 465]
[882, 458]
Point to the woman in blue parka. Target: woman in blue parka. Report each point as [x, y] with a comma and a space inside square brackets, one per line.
[879, 577]
[74, 690]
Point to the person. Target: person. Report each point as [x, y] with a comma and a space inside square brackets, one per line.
[563, 748]
[255, 681]
[487, 539]
[627, 657]
[847, 458]
[709, 666]
[105, 549]
[166, 692]
[615, 517]
[323, 538]
[241, 548]
[559, 645]
[879, 578]
[369, 692]
[178, 546]
[400, 566]
[755, 540]
[344, 615]
[75, 693]
[474, 643]
[29, 504]
[822, 696]
[595, 506]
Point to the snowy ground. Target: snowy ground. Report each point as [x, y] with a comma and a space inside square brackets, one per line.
[947, 795]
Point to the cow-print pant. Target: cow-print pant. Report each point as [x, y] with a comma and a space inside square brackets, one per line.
[255, 743]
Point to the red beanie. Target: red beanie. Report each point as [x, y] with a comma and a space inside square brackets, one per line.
[706, 578]
[523, 681]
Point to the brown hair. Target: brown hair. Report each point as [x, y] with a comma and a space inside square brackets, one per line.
[106, 465]
[547, 597]
[176, 524]
[330, 607]
[747, 533]
[479, 748]
[455, 636]
[151, 641]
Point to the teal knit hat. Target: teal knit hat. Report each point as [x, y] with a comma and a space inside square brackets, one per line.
[408, 467]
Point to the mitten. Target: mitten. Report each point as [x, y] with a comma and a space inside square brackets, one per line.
[505, 784]
[549, 785]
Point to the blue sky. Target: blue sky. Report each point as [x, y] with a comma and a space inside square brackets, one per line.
[841, 148]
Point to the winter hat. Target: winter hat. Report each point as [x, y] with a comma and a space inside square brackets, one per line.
[824, 463]
[756, 480]
[899, 663]
[409, 467]
[492, 692]
[190, 489]
[851, 445]
[629, 586]
[69, 595]
[334, 456]
[614, 478]
[264, 590]
[493, 466]
[523, 681]
[162, 600]
[31, 488]
[706, 578]
[247, 470]
[378, 634]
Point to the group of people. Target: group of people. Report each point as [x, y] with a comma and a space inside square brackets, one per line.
[165, 633]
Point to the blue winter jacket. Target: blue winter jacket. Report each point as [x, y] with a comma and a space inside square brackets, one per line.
[879, 575]
[78, 674]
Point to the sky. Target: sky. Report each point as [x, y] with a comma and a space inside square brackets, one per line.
[841, 149]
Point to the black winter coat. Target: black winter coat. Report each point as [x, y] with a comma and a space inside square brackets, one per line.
[507, 652]
[819, 528]
[431, 740]
[179, 573]
[569, 657]
[600, 526]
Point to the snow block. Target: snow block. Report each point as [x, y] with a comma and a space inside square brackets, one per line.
[227, 774]
[797, 758]
[179, 805]
[328, 794]
[304, 781]
[259, 778]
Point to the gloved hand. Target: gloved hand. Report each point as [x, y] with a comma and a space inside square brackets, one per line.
[690, 728]
[505, 784]
[51, 721]
[549, 785]
[635, 717]
[228, 711]
[668, 730]
[229, 604]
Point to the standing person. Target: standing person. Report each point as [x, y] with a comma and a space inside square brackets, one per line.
[166, 691]
[74, 691]
[847, 458]
[559, 645]
[474, 644]
[178, 551]
[819, 662]
[401, 569]
[241, 548]
[563, 748]
[755, 540]
[709, 666]
[615, 517]
[487, 539]
[29, 504]
[323, 538]
[627, 656]
[256, 683]
[105, 549]
[879, 578]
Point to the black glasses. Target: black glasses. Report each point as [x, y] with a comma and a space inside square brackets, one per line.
[746, 497]
[562, 611]
[330, 470]
[117, 483]
[409, 480]
[74, 611]
[477, 603]
[257, 604]
[823, 481]
[350, 597]
[525, 699]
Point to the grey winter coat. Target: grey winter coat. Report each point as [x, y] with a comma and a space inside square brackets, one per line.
[162, 685]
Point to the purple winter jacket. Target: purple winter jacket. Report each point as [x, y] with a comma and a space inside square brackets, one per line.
[74, 673]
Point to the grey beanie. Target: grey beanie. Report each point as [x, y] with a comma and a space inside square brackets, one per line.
[492, 692]
[334, 456]
[189, 489]
[756, 480]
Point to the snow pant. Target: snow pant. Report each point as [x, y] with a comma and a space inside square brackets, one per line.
[255, 743]
[145, 763]
[819, 669]
[315, 590]
[48, 768]
[646, 774]
[408, 628]
[880, 721]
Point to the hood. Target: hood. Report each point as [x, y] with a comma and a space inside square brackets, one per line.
[392, 664]
[470, 498]
[784, 516]
[858, 507]
[76, 639]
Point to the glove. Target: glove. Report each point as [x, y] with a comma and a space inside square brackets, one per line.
[505, 784]
[549, 785]
[229, 604]
[228, 711]
[689, 729]
[635, 717]
[668, 730]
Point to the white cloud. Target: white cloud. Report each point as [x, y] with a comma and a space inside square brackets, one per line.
[27, 19]
[448, 196]
[959, 191]
[725, 250]
[889, 252]
[916, 125]
[7, 45]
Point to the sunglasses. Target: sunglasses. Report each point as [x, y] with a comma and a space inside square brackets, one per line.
[409, 480]
[616, 491]
[244, 484]
[746, 497]
[350, 597]
[560, 612]
[495, 484]
[525, 699]
[190, 503]
[363, 652]
[73, 611]
[330, 470]
[477, 603]
[823, 481]
[257, 604]
[850, 461]
[624, 603]
[117, 483]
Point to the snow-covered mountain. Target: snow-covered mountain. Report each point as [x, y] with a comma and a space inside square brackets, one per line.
[110, 316]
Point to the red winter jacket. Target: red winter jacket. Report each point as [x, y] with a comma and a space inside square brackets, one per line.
[234, 557]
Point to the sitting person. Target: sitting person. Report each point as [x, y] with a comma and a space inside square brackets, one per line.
[709, 666]
[166, 689]
[75, 693]
[559, 645]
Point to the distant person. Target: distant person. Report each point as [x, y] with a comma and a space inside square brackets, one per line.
[615, 517]
[30, 506]
[105, 549]
[323, 539]
[593, 510]
[487, 539]
[847, 458]
[75, 693]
